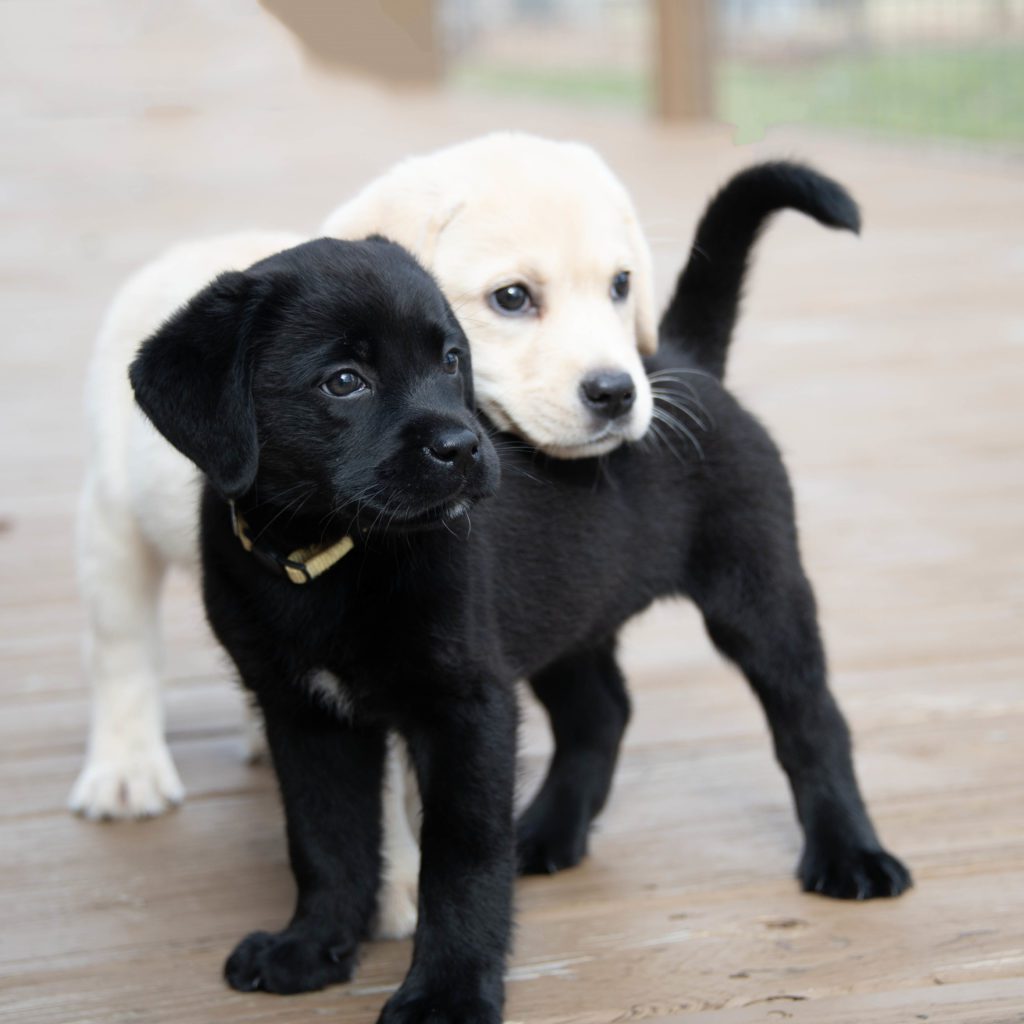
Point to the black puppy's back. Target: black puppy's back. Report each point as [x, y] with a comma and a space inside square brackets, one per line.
[702, 508]
[705, 452]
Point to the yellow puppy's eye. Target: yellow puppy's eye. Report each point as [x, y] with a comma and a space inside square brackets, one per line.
[620, 286]
[512, 300]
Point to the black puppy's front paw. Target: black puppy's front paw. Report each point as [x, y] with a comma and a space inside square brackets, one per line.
[852, 873]
[289, 962]
[548, 841]
[416, 1006]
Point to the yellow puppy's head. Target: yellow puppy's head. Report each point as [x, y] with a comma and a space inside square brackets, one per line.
[537, 246]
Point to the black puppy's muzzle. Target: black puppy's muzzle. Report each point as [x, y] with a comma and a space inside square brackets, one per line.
[455, 449]
[444, 467]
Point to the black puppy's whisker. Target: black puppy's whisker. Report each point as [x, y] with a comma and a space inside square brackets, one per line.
[511, 446]
[360, 500]
[381, 512]
[511, 449]
[507, 444]
[300, 499]
[301, 503]
[519, 471]
[298, 486]
[448, 527]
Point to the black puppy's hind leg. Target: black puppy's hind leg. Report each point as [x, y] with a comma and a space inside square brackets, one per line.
[585, 697]
[759, 611]
[330, 775]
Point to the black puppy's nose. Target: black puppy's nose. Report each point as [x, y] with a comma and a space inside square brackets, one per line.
[457, 447]
[608, 393]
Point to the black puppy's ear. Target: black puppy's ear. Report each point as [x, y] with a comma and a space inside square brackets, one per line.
[193, 379]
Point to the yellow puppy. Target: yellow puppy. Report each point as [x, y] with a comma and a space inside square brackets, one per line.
[528, 238]
[536, 244]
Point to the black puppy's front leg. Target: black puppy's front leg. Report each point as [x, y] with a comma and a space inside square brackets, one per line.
[760, 612]
[465, 766]
[330, 777]
[588, 707]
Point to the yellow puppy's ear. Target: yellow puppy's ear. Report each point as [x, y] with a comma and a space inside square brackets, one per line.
[643, 289]
[412, 214]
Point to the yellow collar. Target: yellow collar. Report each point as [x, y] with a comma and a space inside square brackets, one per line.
[303, 564]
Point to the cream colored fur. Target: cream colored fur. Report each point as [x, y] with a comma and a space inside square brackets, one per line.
[502, 209]
[512, 208]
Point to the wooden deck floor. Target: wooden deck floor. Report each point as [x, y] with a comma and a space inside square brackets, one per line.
[890, 368]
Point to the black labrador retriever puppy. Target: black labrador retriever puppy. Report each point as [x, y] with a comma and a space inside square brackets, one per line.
[325, 394]
[703, 510]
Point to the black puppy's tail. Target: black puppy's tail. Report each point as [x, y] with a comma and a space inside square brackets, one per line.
[701, 316]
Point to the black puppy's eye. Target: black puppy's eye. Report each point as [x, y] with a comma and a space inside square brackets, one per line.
[620, 286]
[343, 384]
[450, 362]
[512, 300]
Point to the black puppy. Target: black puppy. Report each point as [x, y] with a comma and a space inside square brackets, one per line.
[326, 395]
[707, 513]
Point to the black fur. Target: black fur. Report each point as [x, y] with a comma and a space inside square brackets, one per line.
[405, 620]
[704, 510]
[702, 313]
[428, 627]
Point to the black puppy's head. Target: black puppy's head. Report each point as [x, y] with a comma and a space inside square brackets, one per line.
[331, 380]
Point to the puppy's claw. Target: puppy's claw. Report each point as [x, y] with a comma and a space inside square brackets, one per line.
[289, 962]
[127, 784]
[341, 954]
[856, 874]
[443, 1008]
[546, 845]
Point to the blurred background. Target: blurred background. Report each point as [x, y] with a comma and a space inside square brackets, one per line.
[950, 70]
[889, 368]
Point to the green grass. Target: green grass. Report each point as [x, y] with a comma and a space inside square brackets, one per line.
[595, 86]
[975, 95]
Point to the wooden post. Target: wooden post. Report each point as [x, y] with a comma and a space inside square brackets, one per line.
[397, 40]
[683, 59]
